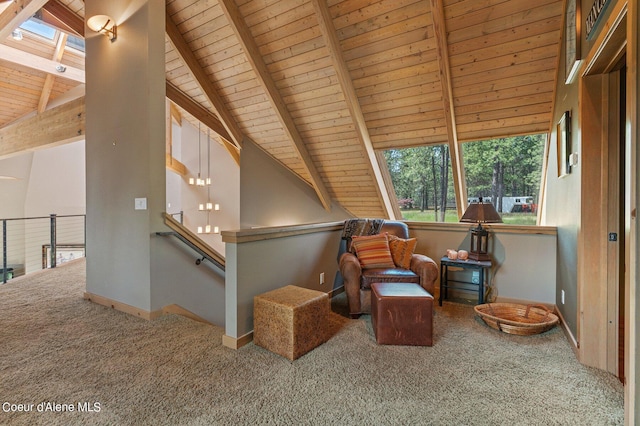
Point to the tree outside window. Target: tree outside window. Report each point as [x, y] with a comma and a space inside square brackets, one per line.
[423, 183]
[506, 171]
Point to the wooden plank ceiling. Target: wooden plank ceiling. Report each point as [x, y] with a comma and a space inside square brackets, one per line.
[323, 86]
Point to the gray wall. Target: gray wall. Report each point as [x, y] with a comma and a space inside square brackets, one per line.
[271, 195]
[524, 263]
[125, 150]
[260, 266]
[562, 201]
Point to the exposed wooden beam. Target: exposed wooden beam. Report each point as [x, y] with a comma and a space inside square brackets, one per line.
[175, 165]
[266, 81]
[16, 13]
[384, 169]
[50, 79]
[39, 63]
[234, 134]
[172, 163]
[60, 16]
[457, 166]
[385, 191]
[56, 126]
[204, 116]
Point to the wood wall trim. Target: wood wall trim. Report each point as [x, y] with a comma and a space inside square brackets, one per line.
[607, 46]
[632, 295]
[122, 307]
[268, 233]
[237, 343]
[591, 243]
[258, 234]
[141, 313]
[494, 227]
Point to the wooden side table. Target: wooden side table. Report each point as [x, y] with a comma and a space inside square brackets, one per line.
[446, 283]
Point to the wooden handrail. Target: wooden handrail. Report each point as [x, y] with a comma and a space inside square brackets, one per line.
[193, 240]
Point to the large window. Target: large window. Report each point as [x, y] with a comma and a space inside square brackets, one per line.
[505, 171]
[423, 183]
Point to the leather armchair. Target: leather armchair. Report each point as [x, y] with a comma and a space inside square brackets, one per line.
[357, 281]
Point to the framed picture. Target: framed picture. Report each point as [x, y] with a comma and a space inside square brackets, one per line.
[64, 253]
[572, 40]
[564, 144]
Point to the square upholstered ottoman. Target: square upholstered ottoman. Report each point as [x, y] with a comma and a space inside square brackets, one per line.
[291, 320]
[402, 314]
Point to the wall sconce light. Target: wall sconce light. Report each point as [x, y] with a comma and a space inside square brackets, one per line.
[105, 25]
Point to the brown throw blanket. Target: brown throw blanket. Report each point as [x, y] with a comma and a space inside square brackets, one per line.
[360, 227]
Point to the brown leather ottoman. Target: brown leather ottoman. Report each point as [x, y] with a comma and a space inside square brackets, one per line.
[290, 321]
[402, 314]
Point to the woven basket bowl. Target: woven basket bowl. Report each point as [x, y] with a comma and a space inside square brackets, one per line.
[514, 318]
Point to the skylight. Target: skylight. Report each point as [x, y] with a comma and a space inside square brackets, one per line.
[75, 43]
[36, 27]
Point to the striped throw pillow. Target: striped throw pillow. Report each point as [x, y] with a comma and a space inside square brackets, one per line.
[373, 251]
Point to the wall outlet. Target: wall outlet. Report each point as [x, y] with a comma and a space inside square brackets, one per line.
[475, 277]
[321, 278]
[562, 296]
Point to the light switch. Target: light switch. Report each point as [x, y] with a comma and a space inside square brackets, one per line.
[141, 204]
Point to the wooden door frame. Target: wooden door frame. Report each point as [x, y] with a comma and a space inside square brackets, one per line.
[597, 303]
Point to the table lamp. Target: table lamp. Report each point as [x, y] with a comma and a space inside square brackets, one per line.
[480, 213]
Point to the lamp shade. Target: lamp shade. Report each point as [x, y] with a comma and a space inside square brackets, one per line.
[103, 24]
[481, 213]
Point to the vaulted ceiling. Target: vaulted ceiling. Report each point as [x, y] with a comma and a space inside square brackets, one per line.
[322, 86]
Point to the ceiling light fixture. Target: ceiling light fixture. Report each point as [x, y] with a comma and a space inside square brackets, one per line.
[16, 34]
[105, 25]
[61, 68]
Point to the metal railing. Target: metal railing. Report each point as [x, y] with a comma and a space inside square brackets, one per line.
[34, 243]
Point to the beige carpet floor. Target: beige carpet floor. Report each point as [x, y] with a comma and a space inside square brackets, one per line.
[56, 348]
